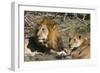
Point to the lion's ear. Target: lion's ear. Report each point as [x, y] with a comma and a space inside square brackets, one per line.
[79, 36]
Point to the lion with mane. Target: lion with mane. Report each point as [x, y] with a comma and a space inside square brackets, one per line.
[47, 34]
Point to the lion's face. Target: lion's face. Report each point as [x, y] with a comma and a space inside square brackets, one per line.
[42, 33]
[75, 41]
[47, 34]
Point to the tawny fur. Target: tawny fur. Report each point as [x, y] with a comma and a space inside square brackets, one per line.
[80, 47]
[53, 40]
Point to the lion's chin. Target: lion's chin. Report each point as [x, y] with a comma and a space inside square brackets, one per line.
[40, 41]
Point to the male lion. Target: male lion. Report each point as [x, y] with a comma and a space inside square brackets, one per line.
[47, 38]
[80, 47]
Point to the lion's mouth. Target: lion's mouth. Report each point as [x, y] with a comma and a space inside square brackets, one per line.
[75, 48]
[41, 40]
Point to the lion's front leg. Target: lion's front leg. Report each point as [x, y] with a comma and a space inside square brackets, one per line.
[59, 53]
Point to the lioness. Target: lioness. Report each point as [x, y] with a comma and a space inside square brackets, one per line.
[80, 47]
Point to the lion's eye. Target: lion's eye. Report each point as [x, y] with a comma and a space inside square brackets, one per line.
[74, 39]
[43, 29]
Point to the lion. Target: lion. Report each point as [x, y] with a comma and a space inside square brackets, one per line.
[80, 47]
[48, 35]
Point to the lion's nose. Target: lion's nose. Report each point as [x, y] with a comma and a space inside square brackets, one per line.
[38, 34]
